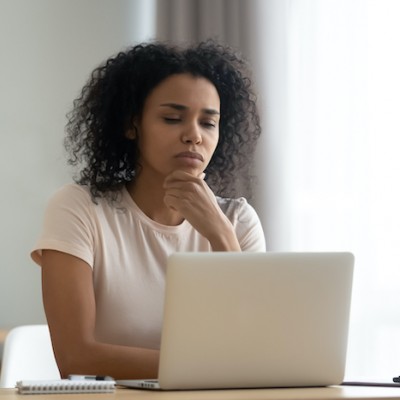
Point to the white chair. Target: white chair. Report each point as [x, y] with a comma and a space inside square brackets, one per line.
[27, 354]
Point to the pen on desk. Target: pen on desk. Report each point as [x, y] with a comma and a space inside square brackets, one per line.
[89, 378]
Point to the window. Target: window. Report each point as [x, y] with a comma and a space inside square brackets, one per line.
[342, 167]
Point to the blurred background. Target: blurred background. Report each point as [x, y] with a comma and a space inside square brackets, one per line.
[328, 165]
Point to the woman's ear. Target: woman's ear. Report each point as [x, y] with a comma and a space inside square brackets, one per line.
[132, 132]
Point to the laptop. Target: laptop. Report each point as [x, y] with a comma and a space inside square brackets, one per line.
[253, 320]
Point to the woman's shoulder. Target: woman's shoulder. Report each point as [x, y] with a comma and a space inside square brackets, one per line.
[245, 221]
[73, 188]
[78, 198]
[231, 203]
[237, 208]
[71, 192]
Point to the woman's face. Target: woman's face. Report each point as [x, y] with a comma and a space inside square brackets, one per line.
[179, 127]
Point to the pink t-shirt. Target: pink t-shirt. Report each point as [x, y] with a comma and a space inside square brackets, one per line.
[127, 252]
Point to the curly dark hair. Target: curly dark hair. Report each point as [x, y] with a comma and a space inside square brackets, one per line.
[116, 92]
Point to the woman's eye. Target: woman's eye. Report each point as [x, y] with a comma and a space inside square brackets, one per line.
[172, 120]
[209, 124]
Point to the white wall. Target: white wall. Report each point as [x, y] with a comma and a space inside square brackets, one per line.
[47, 49]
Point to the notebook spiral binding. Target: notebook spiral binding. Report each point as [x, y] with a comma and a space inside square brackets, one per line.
[64, 386]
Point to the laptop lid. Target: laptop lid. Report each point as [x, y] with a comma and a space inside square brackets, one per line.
[244, 320]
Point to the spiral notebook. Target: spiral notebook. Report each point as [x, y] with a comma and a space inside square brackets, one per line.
[64, 386]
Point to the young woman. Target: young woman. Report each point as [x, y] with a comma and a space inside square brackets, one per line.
[159, 134]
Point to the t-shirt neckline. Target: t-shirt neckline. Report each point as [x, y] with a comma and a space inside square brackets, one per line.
[131, 204]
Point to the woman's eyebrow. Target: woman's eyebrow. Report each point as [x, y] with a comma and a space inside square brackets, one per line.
[181, 107]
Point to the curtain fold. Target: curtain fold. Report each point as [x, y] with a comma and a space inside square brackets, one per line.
[194, 20]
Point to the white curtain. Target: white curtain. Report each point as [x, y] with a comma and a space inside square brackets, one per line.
[342, 165]
[328, 77]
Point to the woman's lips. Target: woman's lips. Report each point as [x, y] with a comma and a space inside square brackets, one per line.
[191, 155]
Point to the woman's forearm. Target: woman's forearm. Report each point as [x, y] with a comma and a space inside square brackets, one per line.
[120, 362]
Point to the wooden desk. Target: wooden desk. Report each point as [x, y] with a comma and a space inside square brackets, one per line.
[328, 393]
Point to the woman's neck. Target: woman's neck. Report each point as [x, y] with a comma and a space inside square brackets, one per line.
[149, 197]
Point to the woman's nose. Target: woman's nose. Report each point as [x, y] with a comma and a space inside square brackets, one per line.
[192, 135]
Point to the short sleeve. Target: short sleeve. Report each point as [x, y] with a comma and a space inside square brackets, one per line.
[246, 223]
[68, 225]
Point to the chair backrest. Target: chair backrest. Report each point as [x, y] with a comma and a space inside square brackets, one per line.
[28, 354]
